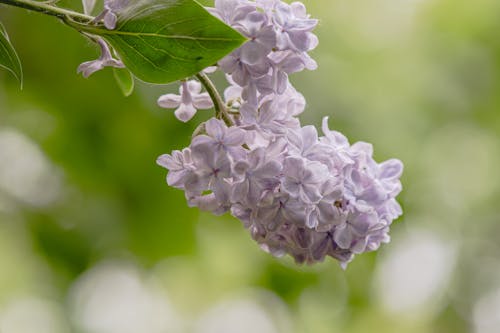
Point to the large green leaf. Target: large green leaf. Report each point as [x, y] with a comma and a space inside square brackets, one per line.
[161, 41]
[8, 56]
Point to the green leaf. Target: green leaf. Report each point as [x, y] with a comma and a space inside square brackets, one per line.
[8, 56]
[125, 80]
[162, 41]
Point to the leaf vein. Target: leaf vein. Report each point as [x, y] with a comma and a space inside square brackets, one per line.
[163, 51]
[144, 57]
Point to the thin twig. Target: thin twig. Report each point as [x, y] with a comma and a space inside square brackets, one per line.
[219, 105]
[48, 9]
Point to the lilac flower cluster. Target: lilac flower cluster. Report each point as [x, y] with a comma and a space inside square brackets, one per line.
[295, 191]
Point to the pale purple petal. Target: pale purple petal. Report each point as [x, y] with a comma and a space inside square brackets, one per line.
[169, 101]
[343, 236]
[391, 169]
[202, 140]
[89, 67]
[185, 112]
[234, 136]
[193, 86]
[215, 128]
[298, 9]
[253, 52]
[294, 167]
[309, 136]
[168, 161]
[202, 101]
[110, 20]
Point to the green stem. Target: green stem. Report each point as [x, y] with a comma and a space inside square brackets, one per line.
[219, 105]
[48, 9]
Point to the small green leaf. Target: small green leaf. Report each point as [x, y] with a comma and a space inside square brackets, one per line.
[8, 56]
[125, 80]
[162, 41]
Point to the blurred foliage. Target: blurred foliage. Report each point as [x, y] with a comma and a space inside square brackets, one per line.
[419, 79]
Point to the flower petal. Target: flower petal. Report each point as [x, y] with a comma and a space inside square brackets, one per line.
[202, 101]
[169, 101]
[185, 112]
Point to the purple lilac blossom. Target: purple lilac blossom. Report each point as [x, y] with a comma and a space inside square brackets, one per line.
[297, 194]
[109, 14]
[105, 60]
[187, 102]
[295, 191]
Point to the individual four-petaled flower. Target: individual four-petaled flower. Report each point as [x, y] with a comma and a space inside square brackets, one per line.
[105, 60]
[189, 100]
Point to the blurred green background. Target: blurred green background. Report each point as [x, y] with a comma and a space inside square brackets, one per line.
[92, 240]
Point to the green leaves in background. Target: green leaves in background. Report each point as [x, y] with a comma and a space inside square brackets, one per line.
[8, 56]
[125, 80]
[162, 41]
